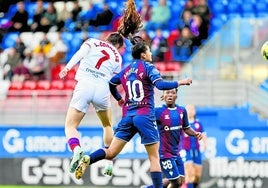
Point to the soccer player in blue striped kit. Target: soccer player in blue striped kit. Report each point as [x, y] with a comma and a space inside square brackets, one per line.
[191, 148]
[172, 121]
[138, 81]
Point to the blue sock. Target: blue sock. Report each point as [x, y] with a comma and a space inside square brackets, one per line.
[190, 185]
[97, 156]
[157, 179]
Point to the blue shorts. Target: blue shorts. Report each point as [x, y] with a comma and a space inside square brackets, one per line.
[142, 124]
[194, 156]
[172, 168]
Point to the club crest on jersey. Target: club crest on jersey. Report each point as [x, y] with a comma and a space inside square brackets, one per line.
[197, 125]
[166, 116]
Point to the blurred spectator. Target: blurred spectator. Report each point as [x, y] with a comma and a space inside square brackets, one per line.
[58, 51]
[199, 30]
[20, 19]
[75, 11]
[20, 47]
[44, 46]
[183, 47]
[36, 63]
[159, 46]
[13, 58]
[63, 16]
[160, 16]
[20, 73]
[38, 14]
[145, 12]
[49, 19]
[3, 59]
[202, 13]
[103, 18]
[202, 9]
[85, 15]
[186, 19]
[189, 5]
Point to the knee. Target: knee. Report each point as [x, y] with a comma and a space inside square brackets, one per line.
[109, 154]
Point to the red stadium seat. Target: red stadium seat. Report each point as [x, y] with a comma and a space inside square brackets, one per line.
[57, 88]
[69, 84]
[29, 85]
[160, 66]
[173, 66]
[28, 88]
[14, 89]
[57, 85]
[15, 85]
[43, 85]
[55, 70]
[43, 88]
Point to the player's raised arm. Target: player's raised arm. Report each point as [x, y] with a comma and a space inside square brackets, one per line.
[82, 52]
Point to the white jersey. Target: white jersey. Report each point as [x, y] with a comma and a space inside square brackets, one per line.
[99, 61]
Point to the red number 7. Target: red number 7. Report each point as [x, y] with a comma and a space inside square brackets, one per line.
[102, 59]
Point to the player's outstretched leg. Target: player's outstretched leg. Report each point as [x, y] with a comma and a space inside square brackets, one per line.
[77, 156]
[82, 166]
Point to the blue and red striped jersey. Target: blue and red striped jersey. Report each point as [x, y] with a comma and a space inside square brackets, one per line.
[138, 81]
[170, 122]
[191, 142]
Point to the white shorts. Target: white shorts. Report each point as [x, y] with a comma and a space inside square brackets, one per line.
[87, 92]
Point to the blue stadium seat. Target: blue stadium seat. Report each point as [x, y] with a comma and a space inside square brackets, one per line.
[217, 23]
[218, 8]
[9, 40]
[261, 9]
[233, 10]
[248, 9]
[11, 11]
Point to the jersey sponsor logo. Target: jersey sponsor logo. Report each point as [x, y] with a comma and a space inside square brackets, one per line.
[166, 116]
[167, 128]
[95, 73]
[54, 171]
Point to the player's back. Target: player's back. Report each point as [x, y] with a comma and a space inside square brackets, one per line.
[102, 61]
[137, 80]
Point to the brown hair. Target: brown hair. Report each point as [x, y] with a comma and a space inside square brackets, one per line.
[129, 24]
[131, 21]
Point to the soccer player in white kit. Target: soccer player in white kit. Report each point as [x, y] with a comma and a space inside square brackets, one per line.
[99, 61]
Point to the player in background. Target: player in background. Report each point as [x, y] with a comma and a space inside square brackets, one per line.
[99, 61]
[191, 147]
[138, 81]
[172, 121]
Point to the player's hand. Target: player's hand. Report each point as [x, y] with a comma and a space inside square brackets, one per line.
[187, 81]
[63, 73]
[121, 102]
[199, 135]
